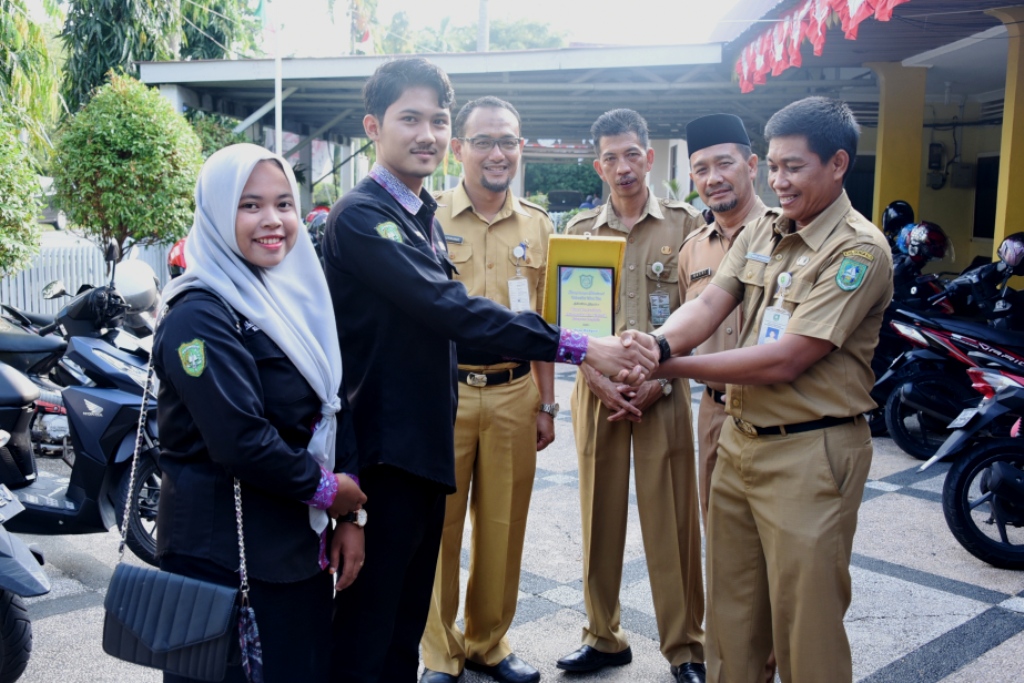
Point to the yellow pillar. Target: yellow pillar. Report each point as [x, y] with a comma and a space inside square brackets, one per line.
[900, 135]
[1009, 207]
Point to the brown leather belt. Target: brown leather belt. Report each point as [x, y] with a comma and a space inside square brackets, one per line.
[752, 430]
[490, 379]
[716, 396]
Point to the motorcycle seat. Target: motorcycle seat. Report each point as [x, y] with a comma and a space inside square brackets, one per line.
[22, 342]
[985, 332]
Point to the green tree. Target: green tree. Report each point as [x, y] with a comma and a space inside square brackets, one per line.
[127, 165]
[28, 74]
[521, 34]
[546, 177]
[215, 131]
[19, 235]
[100, 35]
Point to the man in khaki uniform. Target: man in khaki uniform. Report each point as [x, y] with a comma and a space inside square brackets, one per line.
[723, 170]
[812, 286]
[498, 243]
[655, 419]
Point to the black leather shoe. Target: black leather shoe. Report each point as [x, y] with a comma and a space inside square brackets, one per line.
[509, 670]
[588, 659]
[689, 672]
[437, 677]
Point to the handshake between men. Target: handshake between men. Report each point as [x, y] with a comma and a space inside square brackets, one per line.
[629, 358]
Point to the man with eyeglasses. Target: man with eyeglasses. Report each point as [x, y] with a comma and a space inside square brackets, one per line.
[498, 244]
[653, 421]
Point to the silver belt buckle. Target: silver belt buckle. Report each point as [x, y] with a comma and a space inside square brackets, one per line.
[745, 427]
[476, 379]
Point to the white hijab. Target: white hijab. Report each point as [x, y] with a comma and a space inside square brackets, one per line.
[289, 302]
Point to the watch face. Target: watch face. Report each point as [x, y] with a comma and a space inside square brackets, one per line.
[361, 518]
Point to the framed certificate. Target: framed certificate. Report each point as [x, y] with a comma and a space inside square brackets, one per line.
[582, 282]
[586, 299]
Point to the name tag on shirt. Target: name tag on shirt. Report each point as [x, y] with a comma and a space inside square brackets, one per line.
[700, 274]
[518, 294]
[762, 258]
[454, 239]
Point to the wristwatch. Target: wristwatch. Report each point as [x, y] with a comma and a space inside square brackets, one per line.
[663, 347]
[358, 518]
[549, 408]
[666, 386]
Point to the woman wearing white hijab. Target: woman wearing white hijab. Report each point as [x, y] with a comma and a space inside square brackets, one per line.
[258, 401]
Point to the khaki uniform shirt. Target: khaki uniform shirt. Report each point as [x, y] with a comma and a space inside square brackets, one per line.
[655, 238]
[842, 282]
[702, 253]
[482, 251]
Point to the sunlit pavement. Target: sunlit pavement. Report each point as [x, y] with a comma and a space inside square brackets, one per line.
[923, 610]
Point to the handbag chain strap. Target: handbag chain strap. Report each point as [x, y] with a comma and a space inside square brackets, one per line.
[129, 498]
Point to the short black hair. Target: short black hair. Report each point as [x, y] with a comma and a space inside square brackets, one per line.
[828, 125]
[619, 122]
[488, 102]
[394, 77]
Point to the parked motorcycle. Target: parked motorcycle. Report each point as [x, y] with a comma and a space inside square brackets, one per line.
[102, 414]
[983, 495]
[927, 387]
[21, 576]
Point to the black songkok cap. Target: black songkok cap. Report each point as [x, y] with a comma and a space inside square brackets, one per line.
[715, 129]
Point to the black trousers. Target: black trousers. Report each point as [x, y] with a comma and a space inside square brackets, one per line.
[293, 620]
[379, 619]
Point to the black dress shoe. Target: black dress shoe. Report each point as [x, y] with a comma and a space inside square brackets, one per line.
[509, 670]
[437, 677]
[588, 659]
[690, 672]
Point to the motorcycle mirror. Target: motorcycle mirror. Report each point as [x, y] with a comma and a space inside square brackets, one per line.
[54, 289]
[112, 253]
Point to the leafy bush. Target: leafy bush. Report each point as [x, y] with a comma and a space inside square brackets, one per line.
[541, 177]
[127, 165]
[19, 234]
[215, 131]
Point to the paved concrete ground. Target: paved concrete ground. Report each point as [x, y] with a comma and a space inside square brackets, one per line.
[923, 610]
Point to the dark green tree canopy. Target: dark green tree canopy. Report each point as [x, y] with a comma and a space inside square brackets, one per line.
[19, 236]
[127, 165]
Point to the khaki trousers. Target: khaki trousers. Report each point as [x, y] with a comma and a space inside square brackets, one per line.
[496, 450]
[780, 533]
[666, 493]
[710, 419]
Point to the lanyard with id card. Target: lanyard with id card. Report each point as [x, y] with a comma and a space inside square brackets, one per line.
[773, 324]
[518, 287]
[659, 298]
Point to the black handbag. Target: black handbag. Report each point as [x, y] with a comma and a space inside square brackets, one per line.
[178, 624]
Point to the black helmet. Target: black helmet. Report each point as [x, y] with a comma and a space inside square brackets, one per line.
[927, 241]
[895, 216]
[316, 228]
[1011, 252]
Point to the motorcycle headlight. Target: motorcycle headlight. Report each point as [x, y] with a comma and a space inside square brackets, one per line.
[137, 374]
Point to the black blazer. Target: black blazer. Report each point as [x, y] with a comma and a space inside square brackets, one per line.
[231, 404]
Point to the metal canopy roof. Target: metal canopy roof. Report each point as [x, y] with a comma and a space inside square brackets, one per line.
[560, 92]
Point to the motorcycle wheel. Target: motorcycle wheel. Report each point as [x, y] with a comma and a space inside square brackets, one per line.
[916, 432]
[971, 509]
[141, 537]
[15, 637]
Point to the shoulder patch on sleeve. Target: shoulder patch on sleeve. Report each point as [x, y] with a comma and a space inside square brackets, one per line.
[193, 357]
[389, 231]
[859, 253]
[851, 273]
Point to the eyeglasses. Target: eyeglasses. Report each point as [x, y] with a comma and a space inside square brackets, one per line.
[486, 144]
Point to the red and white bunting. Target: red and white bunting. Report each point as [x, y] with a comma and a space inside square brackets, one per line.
[778, 48]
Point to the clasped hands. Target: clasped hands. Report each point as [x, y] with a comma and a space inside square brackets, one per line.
[629, 358]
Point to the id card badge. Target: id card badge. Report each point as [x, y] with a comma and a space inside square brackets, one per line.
[773, 325]
[518, 295]
[659, 308]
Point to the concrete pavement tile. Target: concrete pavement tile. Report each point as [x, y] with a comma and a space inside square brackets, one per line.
[882, 486]
[1002, 664]
[933, 484]
[890, 618]
[59, 653]
[564, 596]
[913, 532]
[888, 459]
[544, 641]
[637, 596]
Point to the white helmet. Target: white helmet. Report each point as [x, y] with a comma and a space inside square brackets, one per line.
[135, 280]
